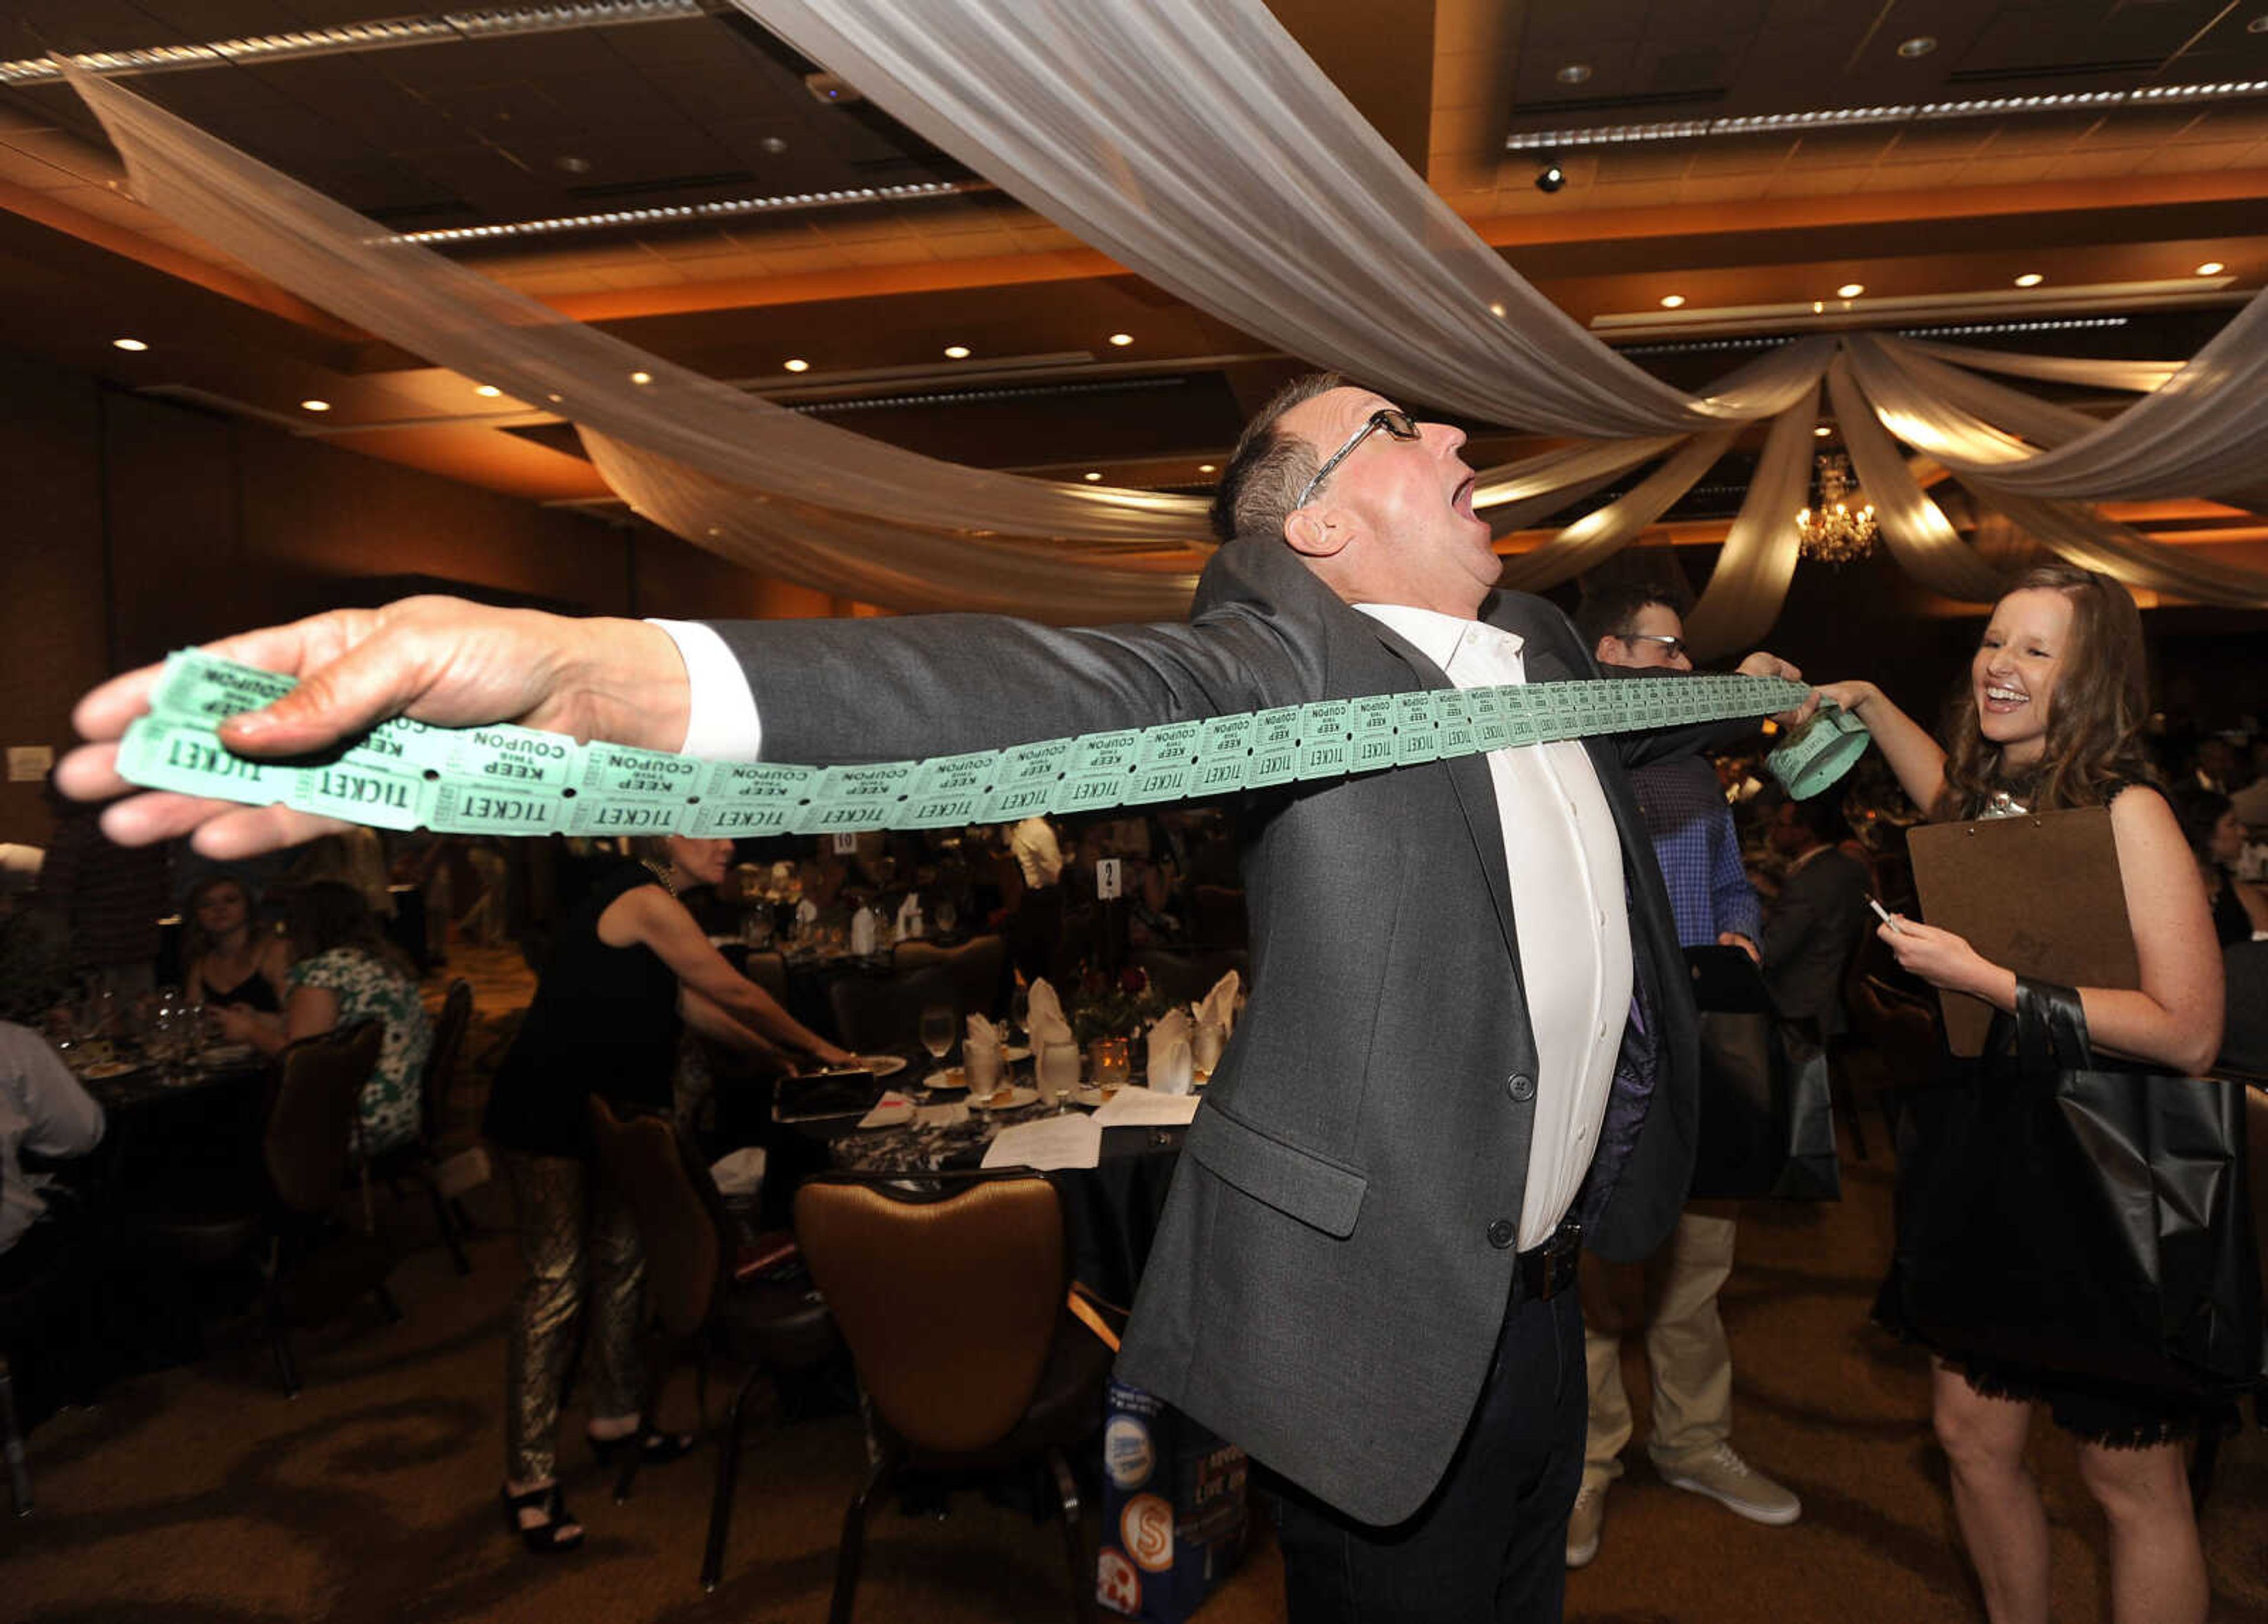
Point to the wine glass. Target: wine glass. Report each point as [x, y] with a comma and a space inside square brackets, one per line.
[1057, 1072]
[945, 916]
[936, 1025]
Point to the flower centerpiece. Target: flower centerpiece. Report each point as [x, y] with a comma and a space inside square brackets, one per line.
[1115, 1006]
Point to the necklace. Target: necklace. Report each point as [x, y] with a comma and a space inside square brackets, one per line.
[661, 871]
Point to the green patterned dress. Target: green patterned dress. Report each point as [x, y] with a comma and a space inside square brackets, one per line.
[368, 988]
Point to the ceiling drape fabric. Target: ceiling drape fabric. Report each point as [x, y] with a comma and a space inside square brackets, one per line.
[1603, 532]
[2140, 377]
[1749, 582]
[2094, 543]
[1912, 526]
[882, 563]
[430, 306]
[1199, 146]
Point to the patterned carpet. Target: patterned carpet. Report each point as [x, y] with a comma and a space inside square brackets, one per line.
[201, 1495]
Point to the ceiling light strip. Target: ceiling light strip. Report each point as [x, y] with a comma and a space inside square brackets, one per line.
[1975, 329]
[694, 213]
[384, 33]
[1902, 113]
[966, 397]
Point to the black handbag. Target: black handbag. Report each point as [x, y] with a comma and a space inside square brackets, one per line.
[2077, 1219]
[1767, 1121]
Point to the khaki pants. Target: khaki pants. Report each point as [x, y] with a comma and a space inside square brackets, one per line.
[1674, 1295]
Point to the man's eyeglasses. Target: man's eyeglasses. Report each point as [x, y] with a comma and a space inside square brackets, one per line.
[1396, 422]
[1672, 647]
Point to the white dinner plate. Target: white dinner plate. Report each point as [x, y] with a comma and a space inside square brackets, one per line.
[951, 1082]
[883, 1065]
[1087, 1095]
[1006, 1101]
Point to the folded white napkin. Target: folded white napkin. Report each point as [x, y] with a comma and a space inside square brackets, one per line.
[981, 1056]
[862, 931]
[909, 918]
[807, 912]
[1171, 1068]
[742, 1172]
[1219, 1006]
[1043, 1016]
[890, 1110]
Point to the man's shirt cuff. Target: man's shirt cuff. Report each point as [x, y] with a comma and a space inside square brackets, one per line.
[721, 721]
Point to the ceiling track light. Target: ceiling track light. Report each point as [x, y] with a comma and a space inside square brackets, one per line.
[432, 28]
[695, 214]
[1546, 141]
[1774, 341]
[1549, 176]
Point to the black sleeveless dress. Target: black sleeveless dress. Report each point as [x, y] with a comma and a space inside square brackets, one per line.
[2111, 1413]
[604, 1021]
[254, 992]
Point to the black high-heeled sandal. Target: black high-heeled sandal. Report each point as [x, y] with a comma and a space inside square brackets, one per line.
[548, 1537]
[655, 1449]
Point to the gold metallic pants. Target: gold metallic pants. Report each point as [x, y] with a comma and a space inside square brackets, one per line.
[1676, 1292]
[576, 1241]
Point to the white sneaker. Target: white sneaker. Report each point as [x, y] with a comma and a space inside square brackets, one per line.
[1583, 1523]
[1732, 1483]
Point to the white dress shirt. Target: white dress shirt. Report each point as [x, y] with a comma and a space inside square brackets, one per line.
[1570, 912]
[1559, 843]
[43, 1109]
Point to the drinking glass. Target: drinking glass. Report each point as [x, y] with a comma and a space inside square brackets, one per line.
[936, 1030]
[1113, 1062]
[946, 916]
[1057, 1072]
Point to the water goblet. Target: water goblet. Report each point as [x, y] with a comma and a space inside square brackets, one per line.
[937, 1033]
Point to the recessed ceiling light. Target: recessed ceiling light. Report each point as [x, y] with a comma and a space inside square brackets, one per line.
[1207, 467]
[488, 389]
[1822, 431]
[1850, 290]
[1093, 478]
[773, 145]
[1573, 73]
[572, 165]
[2210, 267]
[1121, 338]
[133, 344]
[956, 352]
[641, 378]
[314, 405]
[1920, 45]
[796, 366]
[2030, 279]
[1671, 301]
[1818, 307]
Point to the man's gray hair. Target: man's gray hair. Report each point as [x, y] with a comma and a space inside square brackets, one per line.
[1268, 468]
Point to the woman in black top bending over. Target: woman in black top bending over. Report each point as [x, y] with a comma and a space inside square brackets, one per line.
[631, 969]
[2049, 719]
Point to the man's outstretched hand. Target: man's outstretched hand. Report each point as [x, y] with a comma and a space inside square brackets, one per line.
[436, 659]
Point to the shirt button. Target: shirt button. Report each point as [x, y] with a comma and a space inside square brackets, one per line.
[1501, 1233]
[1520, 1086]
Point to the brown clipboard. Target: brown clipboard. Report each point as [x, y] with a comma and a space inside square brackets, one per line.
[2040, 894]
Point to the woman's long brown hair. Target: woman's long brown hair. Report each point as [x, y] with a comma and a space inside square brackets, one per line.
[2095, 714]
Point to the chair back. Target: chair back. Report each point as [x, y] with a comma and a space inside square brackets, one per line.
[311, 1119]
[441, 1059]
[974, 965]
[949, 1304]
[878, 1013]
[768, 970]
[674, 1204]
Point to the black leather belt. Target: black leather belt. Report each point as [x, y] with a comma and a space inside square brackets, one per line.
[1546, 1270]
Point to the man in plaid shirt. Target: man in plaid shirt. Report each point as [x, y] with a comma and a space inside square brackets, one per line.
[1686, 1349]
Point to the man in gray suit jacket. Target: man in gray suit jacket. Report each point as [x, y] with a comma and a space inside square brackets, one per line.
[1468, 1040]
[1819, 914]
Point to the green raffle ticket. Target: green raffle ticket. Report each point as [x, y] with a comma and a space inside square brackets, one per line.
[507, 780]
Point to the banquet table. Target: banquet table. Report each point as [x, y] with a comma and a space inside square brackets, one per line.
[1110, 1210]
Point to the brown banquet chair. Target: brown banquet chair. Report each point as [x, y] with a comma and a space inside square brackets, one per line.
[698, 1303]
[953, 1302]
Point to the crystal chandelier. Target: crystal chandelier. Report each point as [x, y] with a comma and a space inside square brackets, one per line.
[1840, 529]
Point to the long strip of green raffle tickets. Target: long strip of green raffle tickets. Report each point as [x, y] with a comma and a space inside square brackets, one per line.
[507, 780]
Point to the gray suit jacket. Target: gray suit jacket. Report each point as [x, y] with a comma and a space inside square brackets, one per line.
[1332, 1267]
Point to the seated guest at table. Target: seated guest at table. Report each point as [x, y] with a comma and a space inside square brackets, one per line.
[45, 1111]
[227, 961]
[345, 971]
[631, 969]
[2216, 838]
[1818, 917]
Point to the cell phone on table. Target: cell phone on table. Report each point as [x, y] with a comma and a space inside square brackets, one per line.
[1883, 913]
